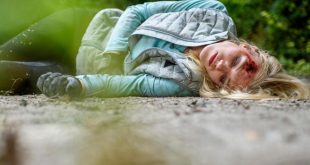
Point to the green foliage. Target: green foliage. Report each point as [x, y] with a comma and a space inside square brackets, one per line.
[280, 26]
[16, 15]
[300, 68]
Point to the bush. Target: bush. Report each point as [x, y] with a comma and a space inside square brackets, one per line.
[280, 26]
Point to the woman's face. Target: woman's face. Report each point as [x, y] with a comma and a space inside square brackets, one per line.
[230, 65]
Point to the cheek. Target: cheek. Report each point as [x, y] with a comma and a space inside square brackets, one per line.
[213, 75]
[241, 80]
[247, 75]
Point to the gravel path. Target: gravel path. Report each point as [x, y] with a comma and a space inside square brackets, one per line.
[36, 130]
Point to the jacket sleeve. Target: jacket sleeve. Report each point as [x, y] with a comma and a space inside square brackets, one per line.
[135, 15]
[131, 85]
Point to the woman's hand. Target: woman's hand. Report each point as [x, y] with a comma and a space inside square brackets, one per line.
[57, 84]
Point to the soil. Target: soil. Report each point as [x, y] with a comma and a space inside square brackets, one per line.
[36, 130]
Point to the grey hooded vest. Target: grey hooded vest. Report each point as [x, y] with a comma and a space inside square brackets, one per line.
[195, 27]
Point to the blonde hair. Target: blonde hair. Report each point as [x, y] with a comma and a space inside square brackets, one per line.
[271, 81]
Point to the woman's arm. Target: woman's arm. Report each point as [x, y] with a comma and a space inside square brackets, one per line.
[135, 15]
[133, 85]
[57, 84]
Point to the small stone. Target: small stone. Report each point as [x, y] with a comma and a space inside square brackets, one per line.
[177, 113]
[23, 102]
[194, 102]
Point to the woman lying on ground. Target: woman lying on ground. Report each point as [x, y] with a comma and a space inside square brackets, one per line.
[171, 48]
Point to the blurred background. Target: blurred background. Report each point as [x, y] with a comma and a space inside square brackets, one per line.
[282, 27]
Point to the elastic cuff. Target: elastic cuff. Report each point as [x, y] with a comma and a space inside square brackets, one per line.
[92, 84]
[85, 87]
[83, 91]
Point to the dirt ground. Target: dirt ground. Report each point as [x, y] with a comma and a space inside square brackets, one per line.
[36, 130]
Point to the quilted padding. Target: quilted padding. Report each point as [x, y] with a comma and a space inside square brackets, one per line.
[195, 27]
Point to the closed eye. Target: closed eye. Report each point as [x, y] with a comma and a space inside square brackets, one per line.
[236, 61]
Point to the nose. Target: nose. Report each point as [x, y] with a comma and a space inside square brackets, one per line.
[222, 66]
